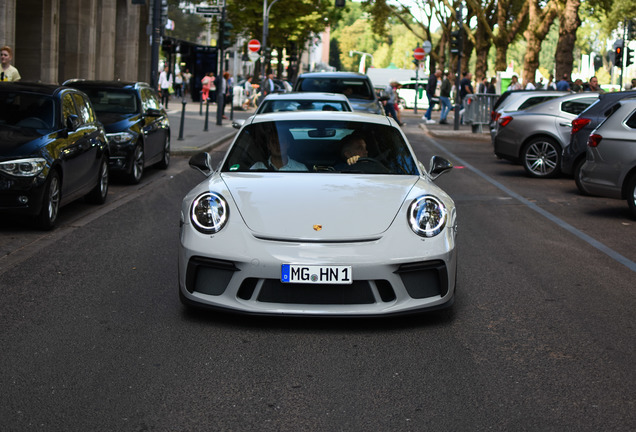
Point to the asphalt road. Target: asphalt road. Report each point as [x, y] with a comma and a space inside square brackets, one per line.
[541, 337]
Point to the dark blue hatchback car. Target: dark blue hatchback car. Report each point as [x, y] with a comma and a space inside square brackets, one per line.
[53, 150]
[137, 126]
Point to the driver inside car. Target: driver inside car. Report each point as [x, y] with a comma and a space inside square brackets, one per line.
[353, 148]
[278, 159]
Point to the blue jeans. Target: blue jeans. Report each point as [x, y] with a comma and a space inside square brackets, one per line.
[431, 104]
[389, 109]
[446, 107]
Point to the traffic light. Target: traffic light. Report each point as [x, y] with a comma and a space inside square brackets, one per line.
[629, 56]
[618, 56]
[456, 42]
[340, 3]
[225, 30]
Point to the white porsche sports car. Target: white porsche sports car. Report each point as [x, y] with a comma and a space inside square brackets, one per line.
[318, 213]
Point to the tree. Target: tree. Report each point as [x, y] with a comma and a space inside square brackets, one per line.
[569, 22]
[539, 24]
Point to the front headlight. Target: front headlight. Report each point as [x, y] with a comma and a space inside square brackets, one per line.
[427, 216]
[120, 137]
[209, 213]
[23, 167]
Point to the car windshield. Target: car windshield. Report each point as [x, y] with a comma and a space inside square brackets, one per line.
[357, 88]
[27, 110]
[321, 147]
[114, 101]
[269, 106]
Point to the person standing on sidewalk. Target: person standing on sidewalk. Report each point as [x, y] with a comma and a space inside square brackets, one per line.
[165, 82]
[8, 72]
[431, 88]
[444, 97]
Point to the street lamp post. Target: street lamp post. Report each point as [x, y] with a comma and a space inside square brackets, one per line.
[364, 55]
[266, 10]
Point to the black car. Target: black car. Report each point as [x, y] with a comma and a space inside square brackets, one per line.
[53, 150]
[356, 86]
[573, 156]
[137, 126]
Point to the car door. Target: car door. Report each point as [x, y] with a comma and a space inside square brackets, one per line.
[152, 125]
[76, 148]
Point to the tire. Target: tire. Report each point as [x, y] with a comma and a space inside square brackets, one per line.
[50, 203]
[100, 191]
[541, 158]
[165, 160]
[631, 195]
[577, 177]
[133, 176]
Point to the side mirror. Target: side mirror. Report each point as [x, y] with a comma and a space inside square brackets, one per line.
[153, 112]
[202, 162]
[238, 123]
[439, 166]
[72, 122]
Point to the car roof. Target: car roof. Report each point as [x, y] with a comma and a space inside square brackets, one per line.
[605, 100]
[22, 86]
[321, 115]
[104, 84]
[333, 75]
[306, 96]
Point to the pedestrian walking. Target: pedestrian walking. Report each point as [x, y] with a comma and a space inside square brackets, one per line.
[206, 83]
[389, 101]
[165, 84]
[431, 88]
[8, 72]
[444, 97]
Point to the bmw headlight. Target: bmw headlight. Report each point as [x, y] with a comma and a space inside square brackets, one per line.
[120, 137]
[23, 167]
[209, 213]
[427, 216]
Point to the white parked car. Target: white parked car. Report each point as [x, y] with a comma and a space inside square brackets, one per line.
[318, 213]
[408, 92]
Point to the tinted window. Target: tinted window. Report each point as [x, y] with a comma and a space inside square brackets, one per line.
[631, 121]
[320, 146]
[84, 109]
[534, 101]
[118, 101]
[358, 88]
[301, 105]
[68, 107]
[576, 106]
[149, 99]
[27, 110]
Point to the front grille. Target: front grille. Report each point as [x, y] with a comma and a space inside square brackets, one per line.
[424, 279]
[274, 291]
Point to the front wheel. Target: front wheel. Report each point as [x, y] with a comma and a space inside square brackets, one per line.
[136, 165]
[51, 202]
[100, 191]
[631, 195]
[541, 158]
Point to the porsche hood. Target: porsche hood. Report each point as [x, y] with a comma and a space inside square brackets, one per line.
[323, 207]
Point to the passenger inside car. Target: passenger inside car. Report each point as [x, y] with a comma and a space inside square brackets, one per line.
[278, 145]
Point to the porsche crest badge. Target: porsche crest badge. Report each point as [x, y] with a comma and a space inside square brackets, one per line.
[317, 227]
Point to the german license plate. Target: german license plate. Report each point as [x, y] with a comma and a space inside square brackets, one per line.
[294, 273]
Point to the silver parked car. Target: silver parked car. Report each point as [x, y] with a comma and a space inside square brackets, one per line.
[610, 167]
[536, 136]
[519, 100]
[318, 213]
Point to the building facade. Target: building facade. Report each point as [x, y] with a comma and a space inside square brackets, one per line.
[55, 40]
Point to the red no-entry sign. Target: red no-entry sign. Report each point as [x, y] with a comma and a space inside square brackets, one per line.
[419, 53]
[254, 45]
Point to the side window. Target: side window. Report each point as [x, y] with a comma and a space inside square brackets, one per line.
[68, 107]
[631, 121]
[576, 106]
[533, 101]
[84, 109]
[149, 99]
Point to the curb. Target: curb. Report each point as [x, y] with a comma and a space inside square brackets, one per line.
[206, 148]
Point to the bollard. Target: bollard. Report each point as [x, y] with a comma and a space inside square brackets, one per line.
[201, 103]
[183, 106]
[231, 104]
[207, 114]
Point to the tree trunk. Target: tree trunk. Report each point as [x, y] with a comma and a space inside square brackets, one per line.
[482, 46]
[569, 22]
[538, 27]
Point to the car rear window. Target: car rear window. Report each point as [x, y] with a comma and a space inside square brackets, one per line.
[357, 88]
[534, 101]
[320, 146]
[269, 106]
[576, 106]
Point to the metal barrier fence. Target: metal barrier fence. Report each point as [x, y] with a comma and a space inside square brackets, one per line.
[477, 109]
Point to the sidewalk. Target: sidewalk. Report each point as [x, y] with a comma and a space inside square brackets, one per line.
[195, 139]
[447, 130]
